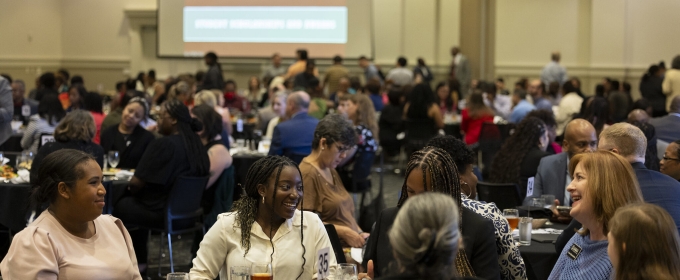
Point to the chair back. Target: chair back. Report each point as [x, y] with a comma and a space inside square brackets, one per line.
[357, 178]
[504, 195]
[335, 242]
[184, 204]
[491, 138]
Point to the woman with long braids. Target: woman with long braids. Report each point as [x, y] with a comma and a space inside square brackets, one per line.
[178, 153]
[432, 170]
[265, 226]
[519, 156]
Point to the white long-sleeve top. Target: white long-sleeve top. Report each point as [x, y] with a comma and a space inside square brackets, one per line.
[221, 248]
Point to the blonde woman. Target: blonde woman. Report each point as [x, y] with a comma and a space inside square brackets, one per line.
[644, 243]
[601, 183]
[211, 98]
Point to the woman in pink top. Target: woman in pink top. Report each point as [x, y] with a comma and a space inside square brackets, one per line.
[473, 116]
[71, 239]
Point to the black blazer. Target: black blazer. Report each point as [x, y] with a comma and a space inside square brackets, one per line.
[478, 237]
[132, 153]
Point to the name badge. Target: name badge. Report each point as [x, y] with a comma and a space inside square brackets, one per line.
[25, 110]
[574, 251]
[322, 260]
[530, 186]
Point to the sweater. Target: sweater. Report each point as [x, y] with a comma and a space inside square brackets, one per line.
[592, 262]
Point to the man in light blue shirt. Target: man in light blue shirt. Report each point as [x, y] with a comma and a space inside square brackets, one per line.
[553, 71]
[521, 108]
[370, 70]
[537, 91]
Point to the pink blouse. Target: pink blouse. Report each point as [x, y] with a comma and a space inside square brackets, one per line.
[45, 250]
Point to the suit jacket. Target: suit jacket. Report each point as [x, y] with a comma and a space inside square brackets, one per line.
[478, 237]
[667, 127]
[6, 110]
[528, 168]
[551, 177]
[656, 188]
[293, 138]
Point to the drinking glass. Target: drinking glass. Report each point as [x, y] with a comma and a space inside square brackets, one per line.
[513, 217]
[114, 158]
[2, 159]
[261, 271]
[346, 271]
[537, 202]
[177, 276]
[525, 224]
[549, 201]
[240, 273]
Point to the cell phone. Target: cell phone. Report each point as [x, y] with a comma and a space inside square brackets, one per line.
[564, 210]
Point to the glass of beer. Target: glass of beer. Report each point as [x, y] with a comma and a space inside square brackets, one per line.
[261, 271]
[513, 217]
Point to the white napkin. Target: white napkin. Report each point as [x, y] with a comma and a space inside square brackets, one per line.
[124, 174]
[24, 177]
[4, 161]
[357, 254]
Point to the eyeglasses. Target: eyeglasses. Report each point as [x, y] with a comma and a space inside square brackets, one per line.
[668, 158]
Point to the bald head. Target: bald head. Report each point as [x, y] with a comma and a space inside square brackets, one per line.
[638, 115]
[675, 104]
[297, 102]
[626, 140]
[579, 137]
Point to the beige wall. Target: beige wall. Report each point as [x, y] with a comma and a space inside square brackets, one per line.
[603, 38]
[105, 41]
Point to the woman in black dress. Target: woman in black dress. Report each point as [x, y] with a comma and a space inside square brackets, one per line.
[178, 153]
[128, 137]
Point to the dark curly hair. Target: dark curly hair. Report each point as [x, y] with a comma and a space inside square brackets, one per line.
[335, 128]
[546, 116]
[505, 166]
[457, 149]
[247, 207]
[443, 176]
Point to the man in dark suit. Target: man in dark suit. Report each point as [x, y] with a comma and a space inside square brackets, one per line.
[657, 188]
[293, 138]
[23, 107]
[667, 126]
[551, 177]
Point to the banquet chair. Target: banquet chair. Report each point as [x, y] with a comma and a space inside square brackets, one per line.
[504, 195]
[183, 212]
[418, 133]
[335, 242]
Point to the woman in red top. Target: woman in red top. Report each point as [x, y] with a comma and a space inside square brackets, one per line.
[93, 103]
[473, 116]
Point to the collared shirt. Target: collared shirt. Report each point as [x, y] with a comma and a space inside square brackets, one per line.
[520, 111]
[221, 248]
[502, 105]
[553, 72]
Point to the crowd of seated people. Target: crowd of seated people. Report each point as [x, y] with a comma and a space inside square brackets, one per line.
[573, 146]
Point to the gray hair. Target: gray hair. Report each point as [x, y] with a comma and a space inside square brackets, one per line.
[425, 236]
[300, 99]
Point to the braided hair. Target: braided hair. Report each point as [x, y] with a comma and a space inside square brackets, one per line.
[187, 128]
[505, 165]
[246, 208]
[443, 175]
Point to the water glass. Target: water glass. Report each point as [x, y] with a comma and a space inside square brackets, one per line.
[346, 271]
[240, 273]
[114, 158]
[512, 215]
[549, 199]
[177, 276]
[525, 231]
[537, 202]
[261, 271]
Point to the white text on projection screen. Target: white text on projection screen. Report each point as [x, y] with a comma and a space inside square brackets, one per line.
[245, 24]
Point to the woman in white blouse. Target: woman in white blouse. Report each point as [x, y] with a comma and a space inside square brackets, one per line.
[50, 112]
[275, 232]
